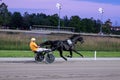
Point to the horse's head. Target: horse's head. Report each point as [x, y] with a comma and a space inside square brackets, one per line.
[80, 39]
[76, 38]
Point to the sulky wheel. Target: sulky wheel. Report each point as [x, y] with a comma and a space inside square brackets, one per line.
[49, 58]
[39, 58]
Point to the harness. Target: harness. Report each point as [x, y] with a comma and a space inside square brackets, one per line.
[69, 42]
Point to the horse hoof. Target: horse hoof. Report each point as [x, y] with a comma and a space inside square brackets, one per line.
[69, 56]
[65, 59]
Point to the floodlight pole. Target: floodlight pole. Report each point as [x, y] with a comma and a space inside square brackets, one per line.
[59, 21]
[58, 5]
[101, 23]
[101, 12]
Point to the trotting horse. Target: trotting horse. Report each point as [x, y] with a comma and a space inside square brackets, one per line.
[64, 45]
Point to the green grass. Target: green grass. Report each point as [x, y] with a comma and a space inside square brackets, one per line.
[13, 53]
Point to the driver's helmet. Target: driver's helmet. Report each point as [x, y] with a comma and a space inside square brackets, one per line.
[33, 39]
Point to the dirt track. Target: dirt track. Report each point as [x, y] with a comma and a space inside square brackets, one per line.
[61, 70]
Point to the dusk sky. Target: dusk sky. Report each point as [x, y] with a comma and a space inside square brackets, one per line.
[82, 8]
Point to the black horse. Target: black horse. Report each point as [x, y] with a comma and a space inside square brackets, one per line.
[64, 45]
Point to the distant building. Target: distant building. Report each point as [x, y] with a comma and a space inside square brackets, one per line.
[115, 28]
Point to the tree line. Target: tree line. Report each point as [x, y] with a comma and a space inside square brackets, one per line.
[17, 21]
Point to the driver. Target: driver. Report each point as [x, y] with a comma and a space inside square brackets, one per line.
[35, 48]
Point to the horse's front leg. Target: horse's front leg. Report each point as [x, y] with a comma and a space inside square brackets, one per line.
[78, 53]
[71, 54]
[61, 54]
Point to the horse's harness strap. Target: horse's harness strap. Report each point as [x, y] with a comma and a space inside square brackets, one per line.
[69, 42]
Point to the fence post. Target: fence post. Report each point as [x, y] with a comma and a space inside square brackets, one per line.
[95, 55]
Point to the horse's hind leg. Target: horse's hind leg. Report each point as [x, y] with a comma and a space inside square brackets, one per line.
[62, 56]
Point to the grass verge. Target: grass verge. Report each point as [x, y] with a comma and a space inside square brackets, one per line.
[13, 53]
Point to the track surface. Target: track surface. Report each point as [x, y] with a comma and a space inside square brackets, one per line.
[61, 70]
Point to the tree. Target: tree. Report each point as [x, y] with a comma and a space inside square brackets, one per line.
[4, 15]
[107, 26]
[75, 22]
[16, 21]
[53, 20]
[87, 25]
[26, 20]
[42, 19]
[66, 21]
